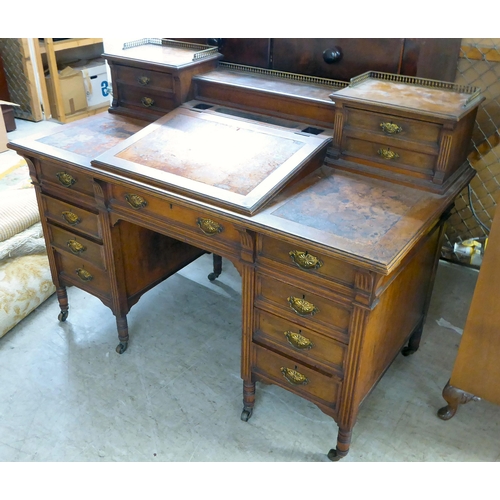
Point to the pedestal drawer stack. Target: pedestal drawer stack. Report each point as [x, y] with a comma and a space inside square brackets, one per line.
[302, 311]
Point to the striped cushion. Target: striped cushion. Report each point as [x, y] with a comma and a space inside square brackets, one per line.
[18, 211]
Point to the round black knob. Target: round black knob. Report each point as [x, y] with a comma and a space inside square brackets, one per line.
[215, 42]
[331, 56]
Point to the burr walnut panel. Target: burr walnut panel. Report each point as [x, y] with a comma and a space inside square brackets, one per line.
[296, 377]
[392, 126]
[144, 78]
[66, 179]
[197, 222]
[310, 309]
[71, 216]
[69, 242]
[76, 271]
[146, 99]
[313, 264]
[299, 342]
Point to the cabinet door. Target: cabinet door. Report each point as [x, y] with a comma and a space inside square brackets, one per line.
[337, 58]
[247, 51]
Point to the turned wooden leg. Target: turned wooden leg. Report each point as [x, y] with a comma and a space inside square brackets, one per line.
[248, 400]
[343, 443]
[454, 397]
[414, 341]
[122, 326]
[62, 297]
[217, 267]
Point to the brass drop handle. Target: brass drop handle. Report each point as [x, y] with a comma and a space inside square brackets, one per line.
[144, 80]
[305, 260]
[208, 226]
[65, 179]
[135, 201]
[294, 377]
[147, 101]
[71, 218]
[84, 275]
[76, 247]
[302, 307]
[391, 128]
[387, 154]
[298, 341]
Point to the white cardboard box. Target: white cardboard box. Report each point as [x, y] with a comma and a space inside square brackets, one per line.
[97, 86]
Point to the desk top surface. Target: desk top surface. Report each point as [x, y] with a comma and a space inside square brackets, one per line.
[367, 222]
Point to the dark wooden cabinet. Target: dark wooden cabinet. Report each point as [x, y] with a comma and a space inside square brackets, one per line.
[344, 58]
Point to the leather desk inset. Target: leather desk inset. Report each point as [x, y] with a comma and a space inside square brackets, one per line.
[337, 267]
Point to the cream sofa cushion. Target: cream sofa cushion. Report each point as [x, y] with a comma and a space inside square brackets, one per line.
[18, 211]
[25, 282]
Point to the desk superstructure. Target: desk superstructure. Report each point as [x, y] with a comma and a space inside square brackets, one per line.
[337, 264]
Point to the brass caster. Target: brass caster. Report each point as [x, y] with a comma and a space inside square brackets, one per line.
[407, 351]
[121, 347]
[334, 456]
[62, 316]
[246, 414]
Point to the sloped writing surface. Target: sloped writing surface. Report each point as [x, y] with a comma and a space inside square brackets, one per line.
[230, 162]
[222, 155]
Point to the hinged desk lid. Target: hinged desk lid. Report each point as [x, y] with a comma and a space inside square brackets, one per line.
[226, 161]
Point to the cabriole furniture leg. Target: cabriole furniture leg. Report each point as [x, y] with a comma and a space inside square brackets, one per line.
[454, 397]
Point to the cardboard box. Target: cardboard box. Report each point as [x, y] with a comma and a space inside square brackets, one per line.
[3, 131]
[72, 91]
[97, 86]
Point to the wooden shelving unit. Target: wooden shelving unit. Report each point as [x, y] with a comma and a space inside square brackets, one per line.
[50, 48]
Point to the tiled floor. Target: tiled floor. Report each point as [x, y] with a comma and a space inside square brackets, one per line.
[176, 394]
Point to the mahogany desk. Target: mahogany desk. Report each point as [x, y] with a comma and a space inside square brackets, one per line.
[336, 270]
[337, 265]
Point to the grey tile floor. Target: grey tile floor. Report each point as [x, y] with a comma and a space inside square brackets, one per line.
[176, 394]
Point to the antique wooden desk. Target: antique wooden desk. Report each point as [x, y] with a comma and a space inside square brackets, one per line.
[337, 266]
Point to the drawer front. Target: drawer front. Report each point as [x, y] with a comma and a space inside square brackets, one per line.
[393, 126]
[299, 342]
[76, 271]
[307, 309]
[145, 99]
[66, 241]
[211, 228]
[298, 257]
[143, 78]
[67, 178]
[72, 217]
[295, 376]
[384, 152]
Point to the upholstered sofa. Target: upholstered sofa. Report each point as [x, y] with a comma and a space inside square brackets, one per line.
[25, 280]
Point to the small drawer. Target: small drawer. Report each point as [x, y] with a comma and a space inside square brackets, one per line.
[304, 308]
[422, 164]
[393, 126]
[212, 228]
[67, 178]
[65, 241]
[306, 345]
[78, 272]
[145, 99]
[298, 257]
[72, 217]
[295, 377]
[143, 78]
